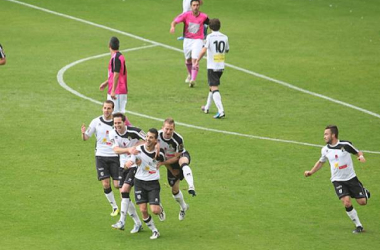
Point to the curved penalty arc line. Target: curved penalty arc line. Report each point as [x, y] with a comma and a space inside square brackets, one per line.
[63, 84]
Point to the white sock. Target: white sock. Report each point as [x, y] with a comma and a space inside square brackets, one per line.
[111, 198]
[124, 206]
[209, 100]
[179, 198]
[218, 101]
[188, 176]
[150, 223]
[133, 214]
[354, 217]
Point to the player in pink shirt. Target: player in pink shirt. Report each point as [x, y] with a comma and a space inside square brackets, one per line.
[117, 78]
[194, 35]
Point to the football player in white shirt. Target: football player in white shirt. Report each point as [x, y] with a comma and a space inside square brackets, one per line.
[107, 161]
[147, 185]
[343, 175]
[177, 163]
[216, 46]
[122, 138]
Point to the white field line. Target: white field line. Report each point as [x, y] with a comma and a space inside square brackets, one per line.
[62, 83]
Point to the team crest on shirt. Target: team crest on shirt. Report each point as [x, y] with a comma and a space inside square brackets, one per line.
[343, 149]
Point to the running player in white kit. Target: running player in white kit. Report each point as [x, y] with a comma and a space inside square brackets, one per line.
[343, 176]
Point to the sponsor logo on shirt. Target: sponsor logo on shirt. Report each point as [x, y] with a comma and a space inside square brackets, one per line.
[343, 167]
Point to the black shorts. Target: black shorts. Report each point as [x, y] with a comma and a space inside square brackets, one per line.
[172, 179]
[127, 176]
[353, 188]
[107, 167]
[147, 192]
[214, 77]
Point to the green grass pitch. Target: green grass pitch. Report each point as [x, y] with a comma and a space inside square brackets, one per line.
[251, 190]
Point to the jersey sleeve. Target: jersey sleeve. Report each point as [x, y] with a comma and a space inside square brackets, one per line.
[2, 55]
[181, 147]
[113, 140]
[91, 128]
[350, 148]
[323, 155]
[180, 18]
[207, 44]
[117, 64]
[207, 20]
[141, 134]
[161, 156]
[227, 45]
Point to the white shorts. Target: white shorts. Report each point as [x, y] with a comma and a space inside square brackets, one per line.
[192, 48]
[120, 103]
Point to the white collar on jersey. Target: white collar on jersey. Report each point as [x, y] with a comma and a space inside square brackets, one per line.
[335, 144]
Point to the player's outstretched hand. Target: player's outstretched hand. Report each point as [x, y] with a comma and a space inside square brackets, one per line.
[83, 128]
[361, 158]
[307, 173]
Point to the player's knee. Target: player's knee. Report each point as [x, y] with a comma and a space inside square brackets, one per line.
[156, 210]
[106, 184]
[175, 190]
[362, 202]
[183, 161]
[126, 188]
[347, 203]
[144, 210]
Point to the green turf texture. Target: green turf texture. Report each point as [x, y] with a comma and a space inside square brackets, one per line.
[251, 192]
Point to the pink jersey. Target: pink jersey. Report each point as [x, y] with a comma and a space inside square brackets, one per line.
[193, 24]
[117, 64]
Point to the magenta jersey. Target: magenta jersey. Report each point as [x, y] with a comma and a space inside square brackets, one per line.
[193, 24]
[117, 64]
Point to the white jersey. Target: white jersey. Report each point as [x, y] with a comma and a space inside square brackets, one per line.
[171, 146]
[101, 128]
[186, 5]
[342, 168]
[147, 170]
[131, 136]
[217, 45]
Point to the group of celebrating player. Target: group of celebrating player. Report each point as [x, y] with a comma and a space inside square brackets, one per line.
[132, 157]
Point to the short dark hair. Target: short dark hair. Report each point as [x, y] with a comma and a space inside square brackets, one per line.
[119, 115]
[154, 131]
[333, 129]
[114, 43]
[214, 24]
[110, 102]
[195, 1]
